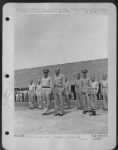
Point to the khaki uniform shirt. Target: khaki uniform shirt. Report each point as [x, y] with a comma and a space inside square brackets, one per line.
[59, 80]
[85, 84]
[46, 82]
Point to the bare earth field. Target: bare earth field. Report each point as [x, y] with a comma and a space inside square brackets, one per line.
[32, 122]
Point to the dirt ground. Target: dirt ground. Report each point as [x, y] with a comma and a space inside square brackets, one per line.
[32, 122]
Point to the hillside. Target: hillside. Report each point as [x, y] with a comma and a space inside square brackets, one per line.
[98, 67]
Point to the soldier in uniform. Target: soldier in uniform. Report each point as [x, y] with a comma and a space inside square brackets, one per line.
[104, 83]
[22, 91]
[31, 94]
[46, 84]
[85, 85]
[78, 92]
[59, 83]
[39, 95]
[17, 95]
[67, 92]
[93, 94]
[20, 95]
[25, 95]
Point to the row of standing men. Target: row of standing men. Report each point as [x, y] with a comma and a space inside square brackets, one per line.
[59, 88]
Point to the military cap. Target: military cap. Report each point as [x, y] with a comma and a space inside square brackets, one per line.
[45, 70]
[84, 71]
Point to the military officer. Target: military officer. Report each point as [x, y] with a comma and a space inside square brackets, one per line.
[78, 91]
[85, 85]
[59, 83]
[17, 95]
[46, 84]
[39, 95]
[94, 91]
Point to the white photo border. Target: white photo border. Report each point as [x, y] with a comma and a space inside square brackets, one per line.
[49, 141]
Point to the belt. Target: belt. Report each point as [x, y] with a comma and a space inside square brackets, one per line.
[45, 87]
[59, 86]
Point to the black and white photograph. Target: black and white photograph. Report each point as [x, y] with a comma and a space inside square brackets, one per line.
[61, 77]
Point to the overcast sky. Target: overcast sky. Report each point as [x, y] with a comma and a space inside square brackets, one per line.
[49, 39]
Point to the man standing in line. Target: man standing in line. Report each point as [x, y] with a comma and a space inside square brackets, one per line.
[85, 85]
[26, 95]
[21, 95]
[93, 94]
[22, 90]
[78, 91]
[39, 95]
[31, 94]
[18, 95]
[67, 92]
[46, 84]
[104, 83]
[59, 83]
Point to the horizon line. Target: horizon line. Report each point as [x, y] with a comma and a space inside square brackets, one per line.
[62, 64]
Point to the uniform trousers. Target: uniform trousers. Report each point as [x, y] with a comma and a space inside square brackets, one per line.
[86, 101]
[67, 98]
[93, 98]
[59, 99]
[79, 98]
[46, 92]
[39, 98]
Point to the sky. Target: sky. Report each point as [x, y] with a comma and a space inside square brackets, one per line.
[49, 39]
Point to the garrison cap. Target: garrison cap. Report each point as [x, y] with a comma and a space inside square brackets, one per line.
[84, 71]
[45, 71]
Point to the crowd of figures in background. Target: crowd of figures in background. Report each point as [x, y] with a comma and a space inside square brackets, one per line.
[57, 93]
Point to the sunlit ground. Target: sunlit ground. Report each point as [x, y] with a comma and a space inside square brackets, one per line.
[32, 122]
